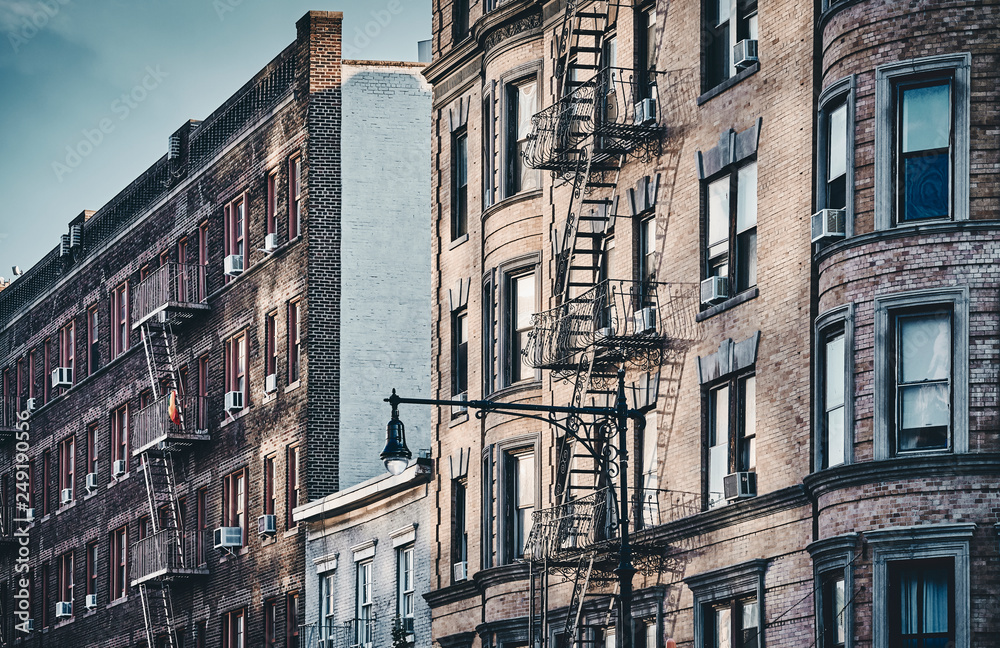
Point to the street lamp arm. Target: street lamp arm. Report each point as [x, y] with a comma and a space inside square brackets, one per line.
[492, 406]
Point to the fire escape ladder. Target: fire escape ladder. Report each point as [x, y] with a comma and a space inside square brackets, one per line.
[157, 613]
[157, 342]
[581, 583]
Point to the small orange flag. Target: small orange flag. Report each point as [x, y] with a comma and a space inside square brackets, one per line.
[172, 410]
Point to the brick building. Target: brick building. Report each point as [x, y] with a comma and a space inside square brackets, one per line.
[367, 567]
[204, 352]
[633, 185]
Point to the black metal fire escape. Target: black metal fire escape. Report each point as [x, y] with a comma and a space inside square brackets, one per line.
[172, 420]
[603, 117]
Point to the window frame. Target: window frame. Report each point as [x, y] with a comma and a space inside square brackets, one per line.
[459, 525]
[237, 349]
[292, 630]
[203, 258]
[510, 452]
[511, 82]
[887, 78]
[270, 614]
[887, 307]
[738, 17]
[236, 503]
[91, 549]
[839, 93]
[93, 340]
[364, 606]
[65, 577]
[120, 336]
[271, 217]
[294, 196]
[405, 592]
[270, 502]
[459, 190]
[236, 240]
[734, 384]
[461, 11]
[118, 567]
[836, 319]
[292, 484]
[510, 273]
[734, 256]
[914, 543]
[834, 556]
[294, 335]
[459, 355]
[271, 344]
[234, 629]
[733, 583]
[67, 467]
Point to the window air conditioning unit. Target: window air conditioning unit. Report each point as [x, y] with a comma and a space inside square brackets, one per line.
[233, 265]
[118, 468]
[32, 404]
[714, 290]
[645, 320]
[459, 571]
[271, 383]
[62, 377]
[828, 224]
[91, 601]
[745, 54]
[234, 401]
[66, 495]
[64, 609]
[270, 242]
[645, 112]
[740, 485]
[29, 515]
[267, 525]
[29, 624]
[228, 537]
[92, 481]
[459, 409]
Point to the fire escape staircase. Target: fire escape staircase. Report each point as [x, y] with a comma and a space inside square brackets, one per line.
[172, 421]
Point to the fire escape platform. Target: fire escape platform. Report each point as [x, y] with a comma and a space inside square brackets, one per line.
[172, 313]
[165, 557]
[172, 293]
[153, 428]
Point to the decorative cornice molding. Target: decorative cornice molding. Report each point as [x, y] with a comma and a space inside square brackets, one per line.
[452, 594]
[902, 469]
[511, 29]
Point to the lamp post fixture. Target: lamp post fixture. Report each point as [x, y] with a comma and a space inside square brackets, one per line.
[396, 456]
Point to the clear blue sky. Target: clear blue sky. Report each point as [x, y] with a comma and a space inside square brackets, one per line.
[65, 64]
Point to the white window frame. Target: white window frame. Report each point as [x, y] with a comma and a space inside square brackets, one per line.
[507, 451]
[405, 587]
[957, 299]
[841, 318]
[886, 77]
[921, 542]
[839, 92]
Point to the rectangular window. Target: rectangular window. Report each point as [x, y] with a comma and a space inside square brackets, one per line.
[364, 612]
[118, 550]
[460, 20]
[833, 394]
[489, 147]
[329, 607]
[64, 586]
[270, 623]
[459, 531]
[46, 368]
[923, 149]
[732, 432]
[236, 230]
[292, 620]
[67, 349]
[922, 603]
[271, 344]
[490, 353]
[32, 373]
[203, 258]
[460, 352]
[291, 484]
[92, 568]
[836, 157]
[236, 366]
[46, 597]
[724, 24]
[93, 341]
[459, 183]
[732, 625]
[234, 501]
[405, 587]
[119, 316]
[647, 250]
[519, 500]
[650, 472]
[119, 435]
[201, 504]
[234, 629]
[646, 38]
[731, 228]
[164, 258]
[203, 392]
[522, 104]
[922, 388]
[46, 482]
[67, 466]
[486, 521]
[294, 341]
[521, 304]
[834, 603]
[294, 197]
[272, 202]
[269, 498]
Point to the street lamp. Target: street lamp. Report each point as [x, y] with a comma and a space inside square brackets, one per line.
[396, 456]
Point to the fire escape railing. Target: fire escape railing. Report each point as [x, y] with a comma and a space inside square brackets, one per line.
[153, 424]
[609, 106]
[165, 554]
[616, 313]
[172, 285]
[359, 633]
